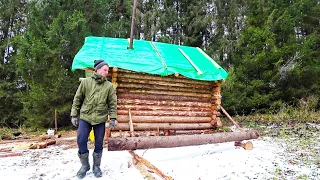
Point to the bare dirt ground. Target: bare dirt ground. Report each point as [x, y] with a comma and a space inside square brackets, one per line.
[280, 153]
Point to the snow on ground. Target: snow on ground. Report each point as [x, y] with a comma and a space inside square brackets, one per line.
[267, 160]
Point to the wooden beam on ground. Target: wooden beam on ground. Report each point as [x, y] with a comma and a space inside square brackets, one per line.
[132, 143]
[150, 166]
[10, 154]
[7, 149]
[42, 144]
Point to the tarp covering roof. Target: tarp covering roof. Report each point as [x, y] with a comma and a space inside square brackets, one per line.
[149, 57]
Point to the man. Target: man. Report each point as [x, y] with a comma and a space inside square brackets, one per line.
[95, 98]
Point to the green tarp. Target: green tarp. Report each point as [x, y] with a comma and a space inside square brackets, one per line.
[149, 57]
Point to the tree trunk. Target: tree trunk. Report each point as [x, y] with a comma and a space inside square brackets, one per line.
[131, 143]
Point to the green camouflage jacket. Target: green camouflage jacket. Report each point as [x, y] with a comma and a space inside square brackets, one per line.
[95, 98]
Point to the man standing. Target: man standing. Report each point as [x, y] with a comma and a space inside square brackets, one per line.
[93, 101]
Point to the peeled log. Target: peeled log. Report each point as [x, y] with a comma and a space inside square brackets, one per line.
[163, 119]
[157, 92]
[159, 87]
[132, 143]
[139, 76]
[163, 108]
[135, 133]
[162, 103]
[162, 126]
[162, 83]
[165, 113]
[144, 96]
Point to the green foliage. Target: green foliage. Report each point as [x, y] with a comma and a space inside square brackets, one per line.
[12, 23]
[45, 59]
[306, 110]
[274, 60]
[270, 49]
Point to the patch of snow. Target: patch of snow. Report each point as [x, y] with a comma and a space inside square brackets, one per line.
[267, 160]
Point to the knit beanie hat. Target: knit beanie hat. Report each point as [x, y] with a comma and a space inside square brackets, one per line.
[99, 63]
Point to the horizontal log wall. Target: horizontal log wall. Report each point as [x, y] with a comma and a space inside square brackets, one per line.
[164, 103]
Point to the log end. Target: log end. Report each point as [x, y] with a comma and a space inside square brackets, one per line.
[247, 146]
[216, 122]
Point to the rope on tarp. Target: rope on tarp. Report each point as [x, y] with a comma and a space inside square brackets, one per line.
[156, 50]
[209, 58]
[190, 61]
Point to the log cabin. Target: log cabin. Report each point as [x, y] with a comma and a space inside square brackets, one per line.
[162, 89]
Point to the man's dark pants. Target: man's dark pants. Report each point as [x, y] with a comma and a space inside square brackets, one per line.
[83, 135]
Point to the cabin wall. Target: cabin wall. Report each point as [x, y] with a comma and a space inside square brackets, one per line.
[165, 103]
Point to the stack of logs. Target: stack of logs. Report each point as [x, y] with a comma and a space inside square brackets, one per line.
[165, 103]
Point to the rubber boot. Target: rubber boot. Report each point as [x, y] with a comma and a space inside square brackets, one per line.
[84, 159]
[96, 164]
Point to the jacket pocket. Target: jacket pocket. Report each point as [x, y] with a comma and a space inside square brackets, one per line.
[85, 108]
[102, 109]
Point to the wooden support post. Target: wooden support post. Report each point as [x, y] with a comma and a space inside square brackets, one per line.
[55, 120]
[230, 118]
[130, 124]
[149, 165]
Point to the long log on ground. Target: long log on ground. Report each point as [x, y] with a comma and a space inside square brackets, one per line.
[166, 113]
[162, 97]
[162, 108]
[163, 103]
[157, 92]
[157, 133]
[11, 154]
[42, 144]
[135, 133]
[131, 143]
[189, 132]
[15, 141]
[7, 149]
[125, 85]
[162, 126]
[150, 166]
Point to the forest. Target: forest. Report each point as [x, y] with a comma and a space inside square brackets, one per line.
[270, 48]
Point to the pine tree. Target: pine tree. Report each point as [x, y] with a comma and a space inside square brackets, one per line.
[12, 15]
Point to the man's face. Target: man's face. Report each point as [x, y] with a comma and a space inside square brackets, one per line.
[103, 71]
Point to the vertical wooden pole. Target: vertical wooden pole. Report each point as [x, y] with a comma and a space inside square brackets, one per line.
[133, 23]
[55, 120]
[130, 124]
